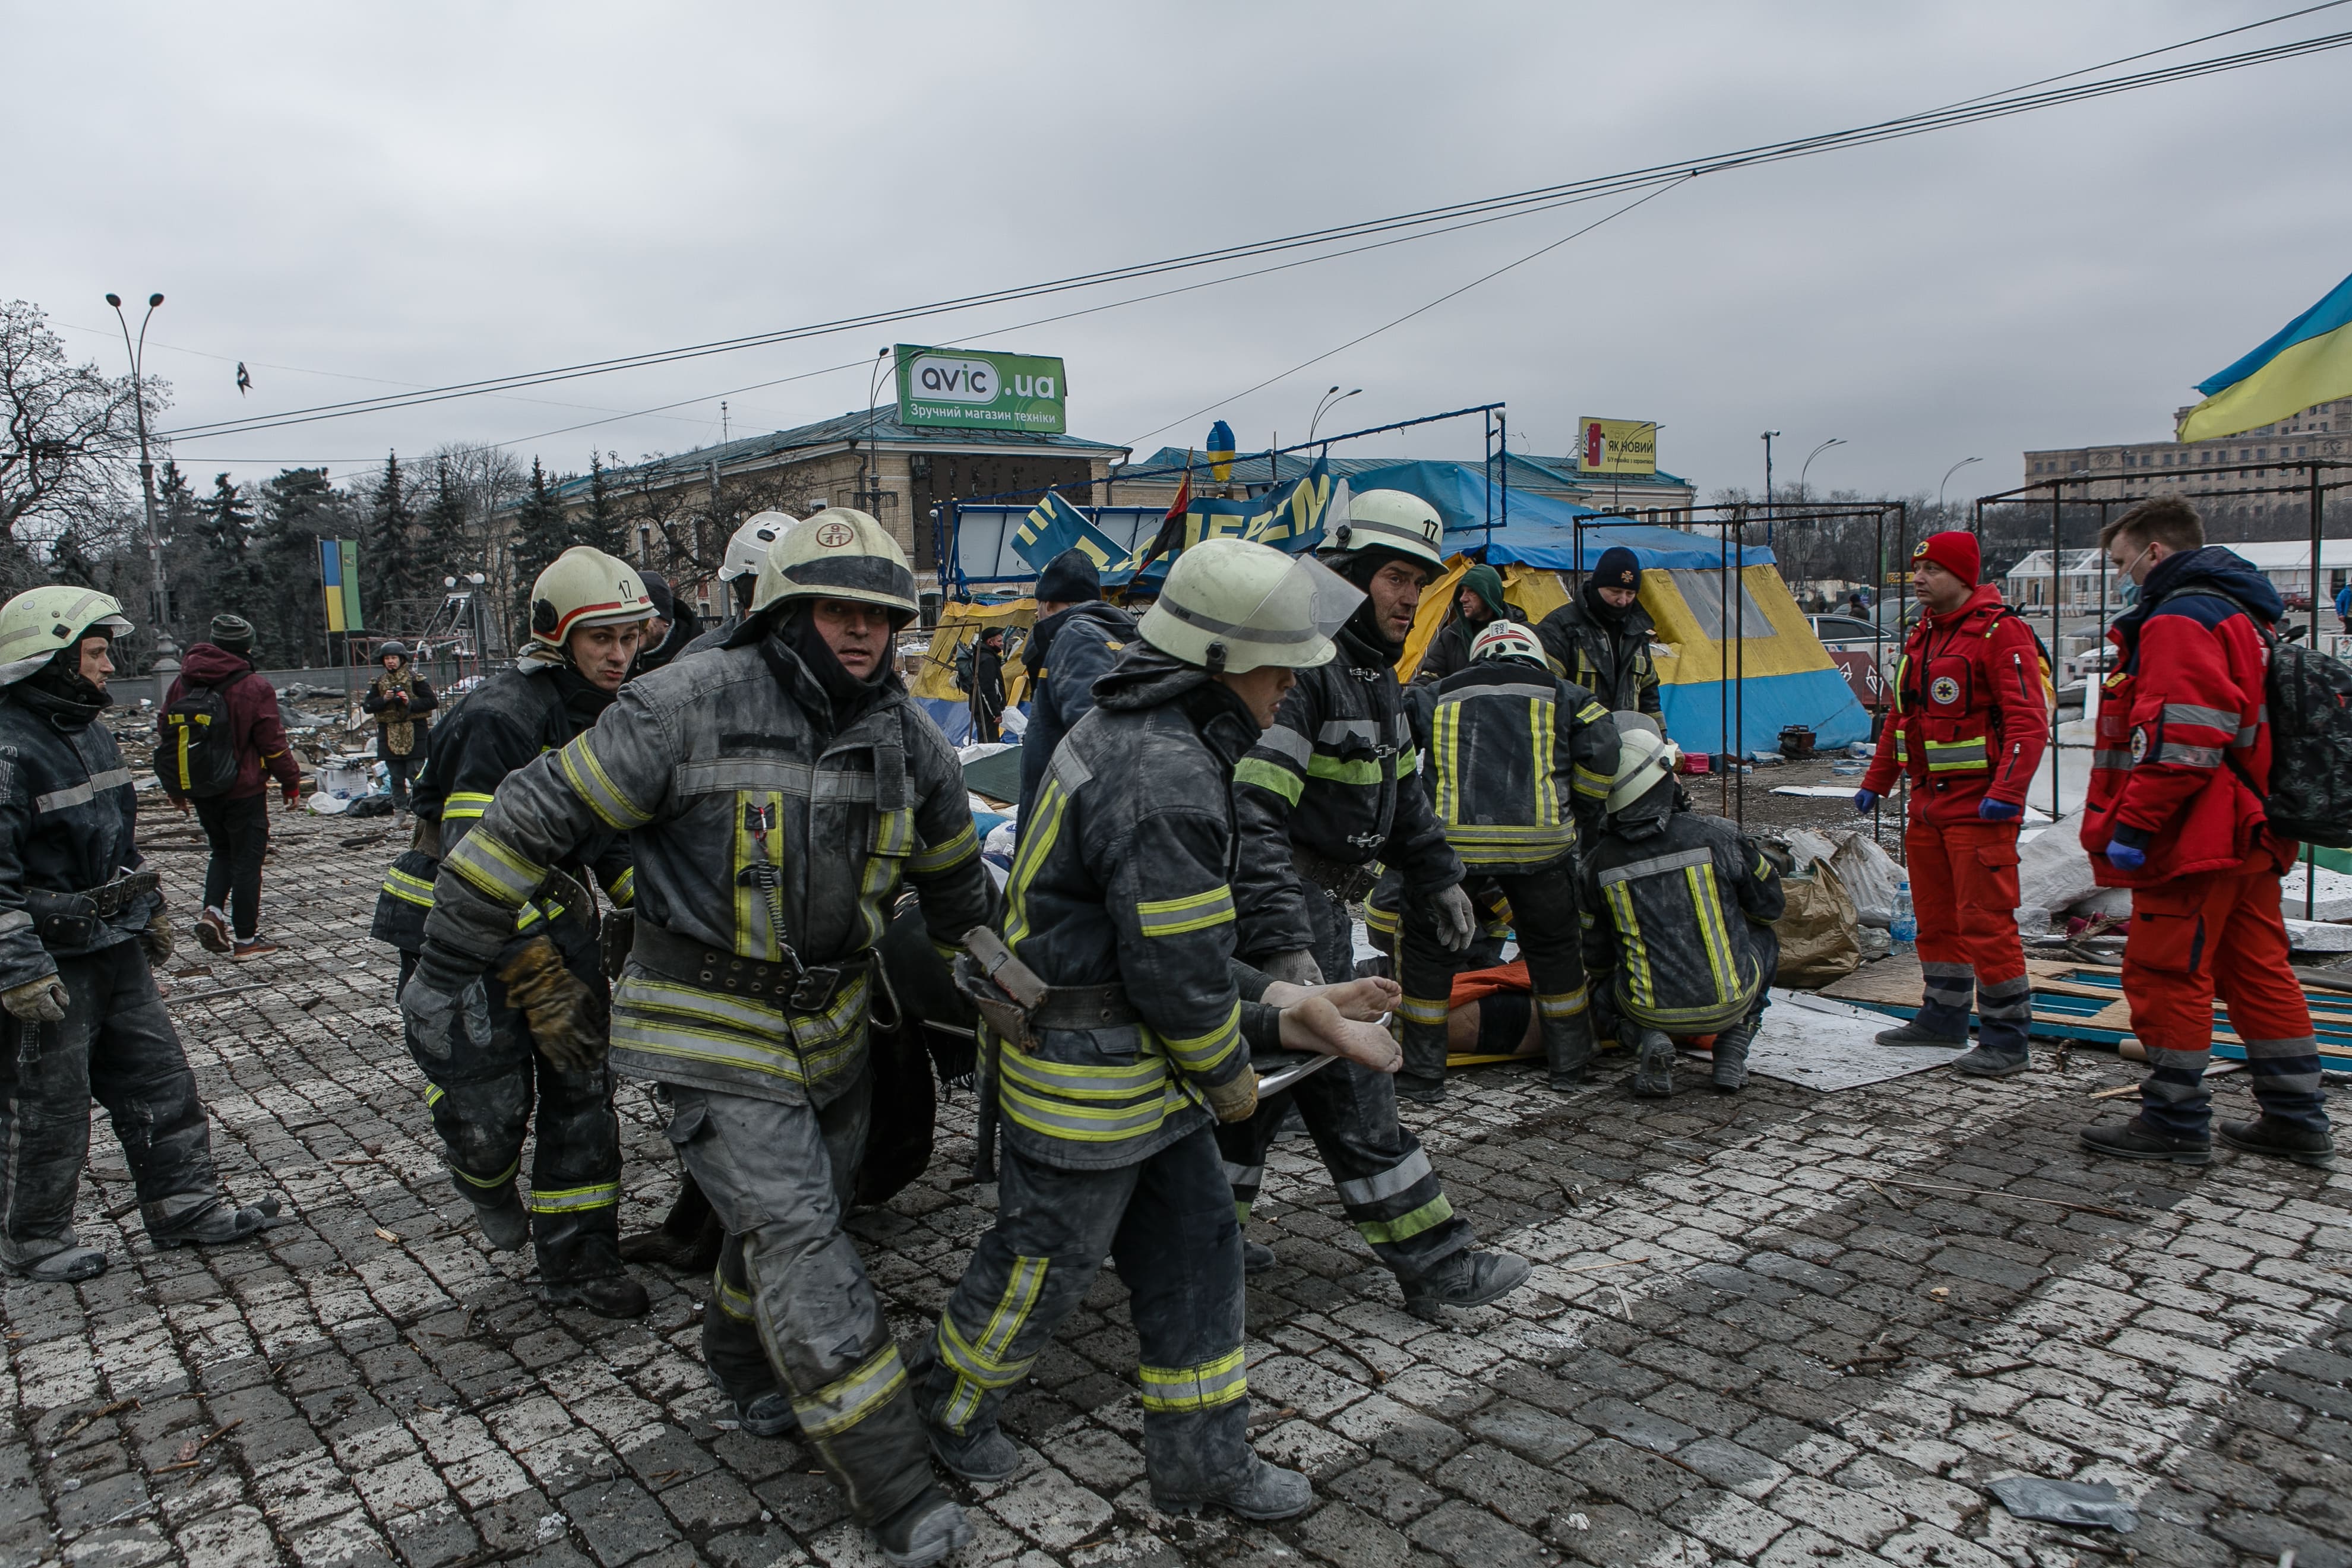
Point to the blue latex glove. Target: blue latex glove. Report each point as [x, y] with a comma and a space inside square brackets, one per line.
[1998, 810]
[1863, 799]
[2127, 856]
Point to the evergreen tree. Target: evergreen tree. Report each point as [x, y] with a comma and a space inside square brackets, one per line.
[389, 567]
[300, 507]
[443, 529]
[601, 527]
[542, 533]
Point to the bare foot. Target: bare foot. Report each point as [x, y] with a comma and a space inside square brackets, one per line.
[1369, 1000]
[1317, 1026]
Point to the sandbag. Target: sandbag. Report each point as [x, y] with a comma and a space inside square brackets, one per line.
[1818, 932]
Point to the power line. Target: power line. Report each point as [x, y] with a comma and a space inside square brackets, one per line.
[1427, 220]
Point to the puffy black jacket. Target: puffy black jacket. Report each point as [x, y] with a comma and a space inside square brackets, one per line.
[67, 810]
[1450, 650]
[1083, 641]
[1125, 877]
[1334, 777]
[1669, 895]
[1522, 761]
[1612, 662]
[534, 706]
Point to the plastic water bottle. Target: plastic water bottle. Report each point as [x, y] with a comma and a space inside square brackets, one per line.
[1905, 928]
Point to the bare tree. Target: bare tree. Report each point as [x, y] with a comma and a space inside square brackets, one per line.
[67, 455]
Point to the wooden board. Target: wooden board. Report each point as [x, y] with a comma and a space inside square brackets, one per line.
[2073, 1000]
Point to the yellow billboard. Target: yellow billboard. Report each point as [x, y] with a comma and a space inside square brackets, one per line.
[1617, 445]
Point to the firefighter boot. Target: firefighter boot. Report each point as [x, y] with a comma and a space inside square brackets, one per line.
[1423, 1078]
[1464, 1279]
[1258, 1257]
[224, 1222]
[1567, 1050]
[984, 1454]
[2136, 1140]
[1731, 1057]
[505, 1223]
[1653, 1074]
[1262, 1491]
[1934, 1025]
[2281, 1140]
[2000, 1051]
[924, 1532]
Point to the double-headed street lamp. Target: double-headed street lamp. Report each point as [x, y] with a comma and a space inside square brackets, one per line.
[167, 656]
[1832, 441]
[1331, 400]
[1947, 480]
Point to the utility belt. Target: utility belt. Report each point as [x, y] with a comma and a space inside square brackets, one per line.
[1017, 1004]
[1342, 879]
[795, 986]
[71, 920]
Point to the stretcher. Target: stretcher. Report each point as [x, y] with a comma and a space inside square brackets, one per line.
[2074, 1000]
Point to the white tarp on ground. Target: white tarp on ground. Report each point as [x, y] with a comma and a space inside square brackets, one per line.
[1816, 1043]
[2053, 878]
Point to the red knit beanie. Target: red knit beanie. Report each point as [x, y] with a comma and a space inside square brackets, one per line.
[1956, 553]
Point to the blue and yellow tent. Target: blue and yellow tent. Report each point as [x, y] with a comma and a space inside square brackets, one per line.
[1785, 676]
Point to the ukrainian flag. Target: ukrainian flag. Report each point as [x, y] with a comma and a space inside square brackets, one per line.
[2308, 362]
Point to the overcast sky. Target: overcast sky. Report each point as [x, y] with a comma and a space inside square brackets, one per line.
[348, 199]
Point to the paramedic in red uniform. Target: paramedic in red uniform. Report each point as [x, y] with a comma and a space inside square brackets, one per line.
[1971, 717]
[2176, 813]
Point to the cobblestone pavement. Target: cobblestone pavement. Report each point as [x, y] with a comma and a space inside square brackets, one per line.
[1767, 1328]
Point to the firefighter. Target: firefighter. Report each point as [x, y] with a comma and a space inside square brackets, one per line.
[81, 926]
[776, 792]
[1076, 639]
[1681, 911]
[2176, 813]
[519, 1046]
[1600, 638]
[1523, 762]
[1971, 718]
[1125, 1042]
[1327, 794]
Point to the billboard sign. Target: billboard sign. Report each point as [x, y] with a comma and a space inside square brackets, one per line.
[981, 390]
[1617, 445]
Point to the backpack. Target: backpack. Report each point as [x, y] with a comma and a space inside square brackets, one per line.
[964, 666]
[2307, 695]
[197, 758]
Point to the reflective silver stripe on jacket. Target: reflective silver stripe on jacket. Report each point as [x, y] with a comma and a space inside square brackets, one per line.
[1387, 1183]
[2212, 718]
[1676, 861]
[81, 793]
[801, 781]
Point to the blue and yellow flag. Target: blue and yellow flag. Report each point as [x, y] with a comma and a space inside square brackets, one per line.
[2308, 362]
[1055, 525]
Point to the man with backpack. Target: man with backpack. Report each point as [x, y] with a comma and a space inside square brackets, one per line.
[220, 740]
[2180, 811]
[1971, 718]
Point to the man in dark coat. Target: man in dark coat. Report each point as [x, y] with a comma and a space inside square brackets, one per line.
[1076, 639]
[1600, 638]
[1477, 605]
[235, 822]
[399, 698]
[987, 683]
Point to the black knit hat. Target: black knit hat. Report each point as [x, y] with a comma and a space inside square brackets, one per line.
[1617, 569]
[658, 590]
[1069, 578]
[232, 634]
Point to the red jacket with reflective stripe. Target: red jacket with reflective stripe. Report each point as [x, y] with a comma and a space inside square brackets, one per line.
[1971, 712]
[2185, 699]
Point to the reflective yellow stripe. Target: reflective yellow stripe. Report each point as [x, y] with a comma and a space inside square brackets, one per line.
[1956, 756]
[571, 1200]
[1708, 910]
[1332, 770]
[843, 1403]
[1422, 1009]
[982, 1365]
[410, 889]
[1590, 783]
[1272, 777]
[1591, 713]
[1405, 1226]
[499, 872]
[1037, 836]
[1540, 720]
[1205, 1052]
[1564, 1006]
[1408, 762]
[1194, 912]
[433, 1093]
[1381, 922]
[963, 846]
[736, 1304]
[1445, 741]
[1629, 931]
[464, 802]
[623, 889]
[596, 788]
[501, 1179]
[1201, 1387]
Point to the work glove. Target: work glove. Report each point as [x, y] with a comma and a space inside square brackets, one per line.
[41, 1001]
[2126, 857]
[1993, 810]
[1234, 1102]
[443, 1012]
[1863, 799]
[1456, 921]
[558, 1005]
[156, 938]
[1296, 967]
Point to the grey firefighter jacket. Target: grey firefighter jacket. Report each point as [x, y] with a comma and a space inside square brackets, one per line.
[66, 815]
[1333, 776]
[715, 765]
[1669, 896]
[1125, 877]
[531, 707]
[1521, 759]
[1612, 662]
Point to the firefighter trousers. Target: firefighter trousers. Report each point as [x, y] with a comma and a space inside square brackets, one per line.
[2219, 932]
[769, 1171]
[1964, 892]
[1168, 1222]
[483, 1101]
[116, 1043]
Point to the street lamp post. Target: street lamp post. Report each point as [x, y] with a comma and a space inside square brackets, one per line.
[1768, 487]
[1329, 403]
[167, 654]
[1807, 468]
[1947, 480]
